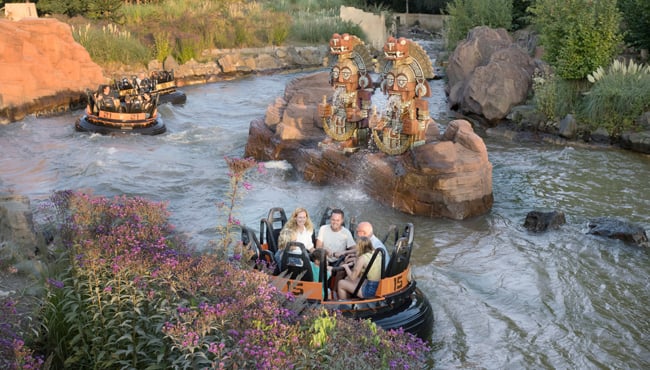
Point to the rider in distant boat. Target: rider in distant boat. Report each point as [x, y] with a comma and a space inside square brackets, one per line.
[103, 100]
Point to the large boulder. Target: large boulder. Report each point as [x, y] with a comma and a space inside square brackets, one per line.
[449, 176]
[488, 74]
[42, 68]
[615, 228]
[18, 239]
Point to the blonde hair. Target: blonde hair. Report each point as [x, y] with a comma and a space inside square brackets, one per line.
[292, 223]
[286, 236]
[364, 245]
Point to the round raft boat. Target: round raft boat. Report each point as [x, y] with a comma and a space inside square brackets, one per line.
[398, 302]
[108, 123]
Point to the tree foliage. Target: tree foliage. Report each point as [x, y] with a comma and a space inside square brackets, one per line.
[467, 14]
[636, 14]
[94, 9]
[578, 35]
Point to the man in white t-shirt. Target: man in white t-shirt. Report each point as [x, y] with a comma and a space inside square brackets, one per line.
[335, 238]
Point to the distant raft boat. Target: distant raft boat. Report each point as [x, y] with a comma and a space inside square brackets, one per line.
[397, 304]
[162, 83]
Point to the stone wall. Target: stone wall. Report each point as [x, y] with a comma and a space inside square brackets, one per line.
[430, 22]
[373, 25]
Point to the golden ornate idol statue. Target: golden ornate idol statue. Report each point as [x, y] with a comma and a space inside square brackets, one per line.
[404, 122]
[346, 115]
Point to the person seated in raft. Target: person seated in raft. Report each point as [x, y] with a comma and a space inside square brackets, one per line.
[365, 228]
[369, 287]
[302, 225]
[334, 237]
[106, 100]
[316, 256]
[286, 236]
[147, 104]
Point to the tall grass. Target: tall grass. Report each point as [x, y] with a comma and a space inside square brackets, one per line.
[110, 43]
[619, 95]
[184, 28]
[318, 27]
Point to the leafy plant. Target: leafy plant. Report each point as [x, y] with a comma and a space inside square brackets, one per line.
[578, 35]
[162, 45]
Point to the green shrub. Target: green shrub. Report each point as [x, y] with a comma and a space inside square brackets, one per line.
[619, 95]
[578, 35]
[545, 86]
[636, 14]
[162, 45]
[104, 9]
[520, 14]
[467, 14]
[187, 48]
[556, 97]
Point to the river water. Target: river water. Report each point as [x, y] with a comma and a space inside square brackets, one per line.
[503, 298]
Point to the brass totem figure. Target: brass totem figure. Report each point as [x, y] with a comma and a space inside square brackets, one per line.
[404, 122]
[346, 116]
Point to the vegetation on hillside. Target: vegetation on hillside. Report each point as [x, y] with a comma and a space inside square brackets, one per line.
[579, 37]
[156, 29]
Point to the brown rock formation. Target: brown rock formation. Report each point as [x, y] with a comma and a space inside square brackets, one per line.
[488, 74]
[449, 176]
[42, 68]
[18, 240]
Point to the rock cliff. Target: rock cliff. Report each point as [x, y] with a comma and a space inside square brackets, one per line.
[42, 68]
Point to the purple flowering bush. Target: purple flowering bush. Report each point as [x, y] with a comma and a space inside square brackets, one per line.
[131, 294]
[13, 352]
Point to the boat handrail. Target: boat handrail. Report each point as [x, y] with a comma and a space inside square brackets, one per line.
[249, 240]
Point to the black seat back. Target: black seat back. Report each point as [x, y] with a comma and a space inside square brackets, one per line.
[401, 256]
[295, 261]
[399, 259]
[271, 226]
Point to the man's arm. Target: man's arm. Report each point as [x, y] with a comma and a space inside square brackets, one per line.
[319, 239]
